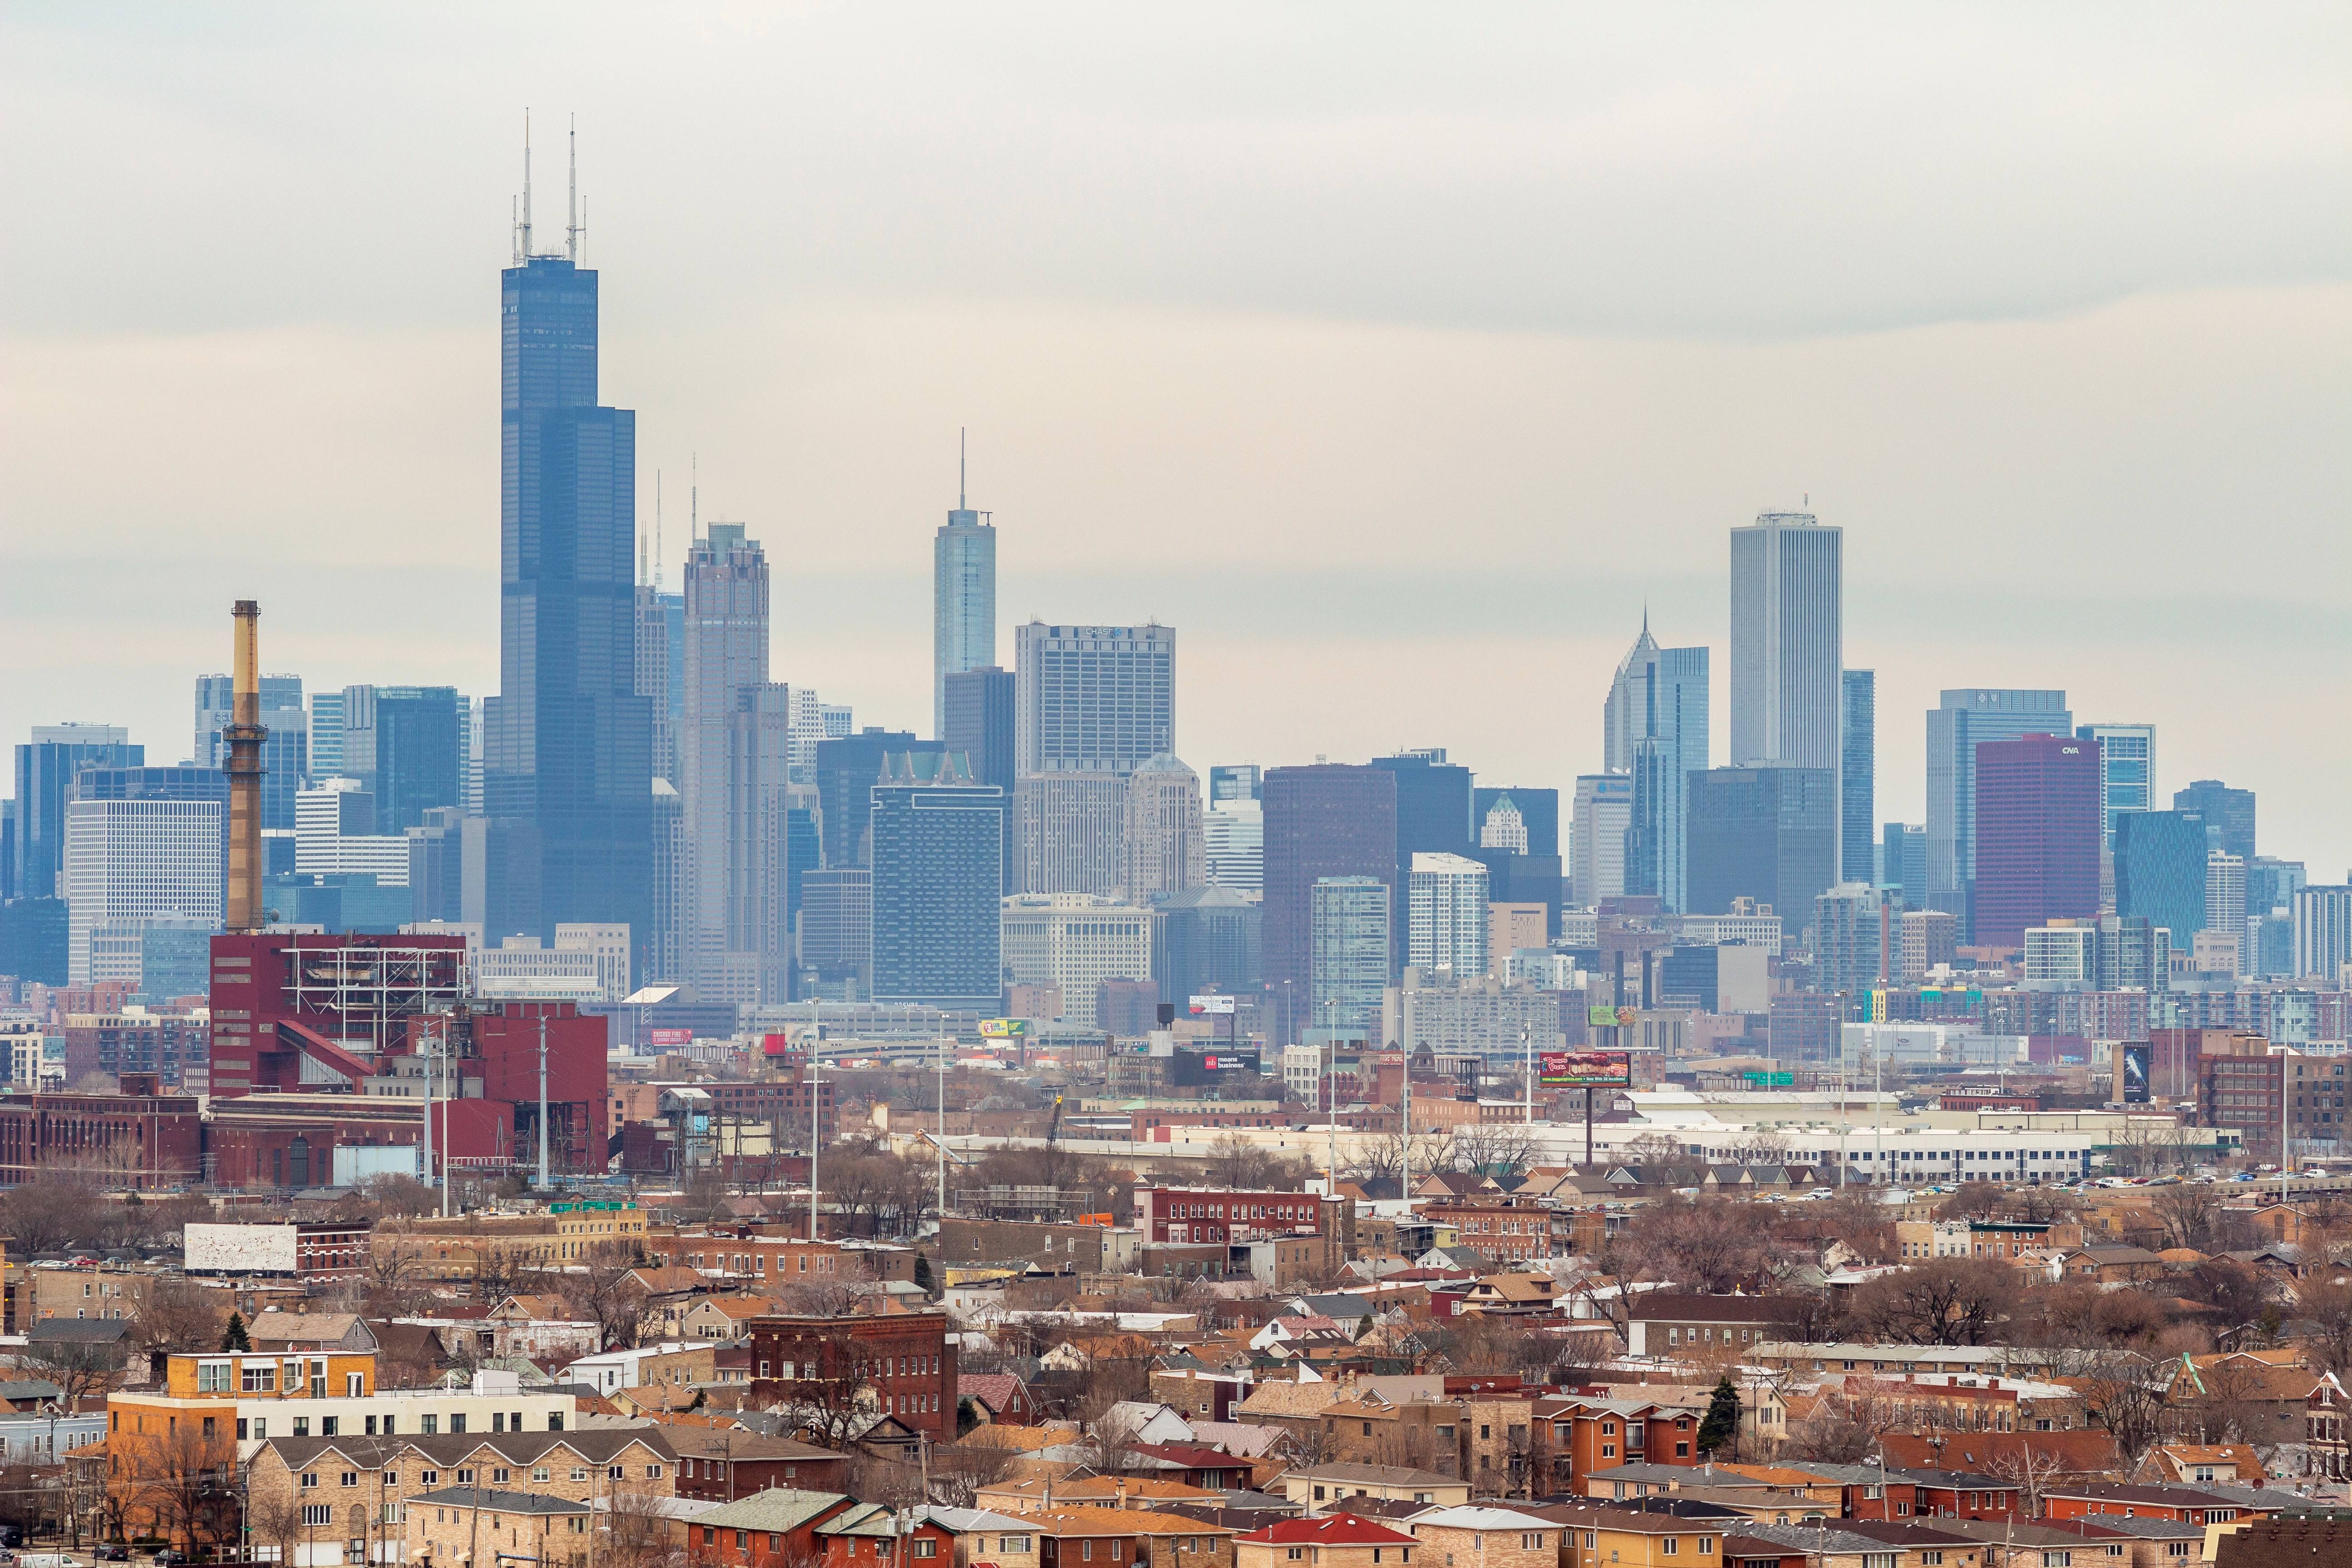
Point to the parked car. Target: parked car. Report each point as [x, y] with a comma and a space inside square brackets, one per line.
[111, 1553]
[167, 1558]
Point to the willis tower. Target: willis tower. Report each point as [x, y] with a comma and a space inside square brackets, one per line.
[568, 741]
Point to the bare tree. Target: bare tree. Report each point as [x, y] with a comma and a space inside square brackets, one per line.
[960, 1469]
[637, 1533]
[1942, 1301]
[2189, 1212]
[2029, 1467]
[1708, 1244]
[178, 1482]
[2121, 1394]
[604, 1288]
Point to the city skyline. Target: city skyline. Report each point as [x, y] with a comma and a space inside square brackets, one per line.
[1120, 510]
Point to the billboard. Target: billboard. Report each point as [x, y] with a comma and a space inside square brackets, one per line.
[779, 1046]
[1003, 1028]
[1195, 1069]
[1585, 1069]
[238, 1249]
[664, 1039]
[1213, 1005]
[2133, 1064]
[1600, 1017]
[1769, 1079]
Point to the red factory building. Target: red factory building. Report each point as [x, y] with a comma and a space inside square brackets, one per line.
[327, 1040]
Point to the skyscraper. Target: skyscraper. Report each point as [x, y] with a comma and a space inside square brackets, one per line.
[45, 769]
[1964, 720]
[661, 681]
[1327, 820]
[2228, 814]
[1516, 834]
[326, 736]
[2225, 895]
[568, 741]
[1350, 953]
[1071, 834]
[1165, 853]
[1433, 798]
[847, 767]
[1902, 856]
[400, 743]
[758, 959]
[1851, 938]
[963, 599]
[936, 908]
[1093, 699]
[2159, 860]
[1654, 730]
[1765, 833]
[1598, 824]
[1446, 915]
[2127, 762]
[2038, 830]
[1232, 831]
[1788, 641]
[727, 631]
[1858, 777]
[285, 754]
[979, 723]
[129, 858]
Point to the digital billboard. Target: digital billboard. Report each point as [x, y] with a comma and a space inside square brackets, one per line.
[1601, 1018]
[1003, 1028]
[670, 1037]
[1212, 1003]
[1585, 1069]
[2133, 1064]
[1193, 1070]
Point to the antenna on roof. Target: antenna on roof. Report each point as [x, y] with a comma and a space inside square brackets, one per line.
[657, 539]
[959, 505]
[694, 497]
[522, 250]
[571, 209]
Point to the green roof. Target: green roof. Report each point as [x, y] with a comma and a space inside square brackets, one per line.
[778, 1507]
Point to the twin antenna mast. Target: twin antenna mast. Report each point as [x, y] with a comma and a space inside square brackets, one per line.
[574, 222]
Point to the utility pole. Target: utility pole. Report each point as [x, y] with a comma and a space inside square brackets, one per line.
[543, 1097]
[815, 1100]
[943, 1164]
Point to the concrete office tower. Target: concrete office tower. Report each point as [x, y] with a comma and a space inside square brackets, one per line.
[2039, 828]
[1093, 699]
[2323, 932]
[980, 724]
[726, 630]
[1071, 833]
[334, 833]
[1074, 942]
[2225, 895]
[1659, 697]
[470, 754]
[567, 763]
[1598, 824]
[402, 744]
[1350, 954]
[2272, 884]
[1446, 919]
[1925, 938]
[1765, 833]
[963, 599]
[1502, 826]
[1903, 862]
[757, 966]
[1853, 928]
[2159, 870]
[1164, 848]
[1858, 777]
[1964, 720]
[1208, 939]
[837, 935]
[127, 861]
[1329, 820]
[936, 871]
[326, 736]
[2127, 763]
[45, 768]
[1232, 831]
[2228, 814]
[285, 752]
[436, 866]
[1787, 642]
[663, 960]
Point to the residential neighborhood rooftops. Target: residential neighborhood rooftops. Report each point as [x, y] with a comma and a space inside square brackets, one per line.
[1343, 1528]
[1373, 1475]
[490, 1499]
[777, 1508]
[1475, 1516]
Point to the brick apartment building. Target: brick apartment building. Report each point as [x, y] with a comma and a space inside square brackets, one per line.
[1220, 1217]
[1502, 1226]
[905, 1359]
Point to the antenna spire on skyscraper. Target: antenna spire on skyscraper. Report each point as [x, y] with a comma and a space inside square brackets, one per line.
[522, 231]
[657, 537]
[959, 502]
[571, 208]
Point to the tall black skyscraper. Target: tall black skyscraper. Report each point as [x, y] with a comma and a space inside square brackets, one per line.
[2228, 814]
[1857, 775]
[977, 719]
[568, 742]
[1432, 817]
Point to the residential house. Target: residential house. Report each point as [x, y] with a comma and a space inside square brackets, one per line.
[2187, 1463]
[994, 1396]
[1325, 1541]
[1513, 1296]
[1320, 1485]
[722, 1317]
[2186, 1504]
[773, 1528]
[311, 1333]
[2109, 1264]
[1961, 1494]
[870, 1535]
[1597, 1536]
[2090, 1455]
[462, 1524]
[1117, 1538]
[1708, 1326]
[727, 1464]
[1476, 1536]
[1577, 1436]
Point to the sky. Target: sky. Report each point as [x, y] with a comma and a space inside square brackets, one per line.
[1398, 356]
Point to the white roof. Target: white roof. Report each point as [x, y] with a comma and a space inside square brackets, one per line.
[1469, 1517]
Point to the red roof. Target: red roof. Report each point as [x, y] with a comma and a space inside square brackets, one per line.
[1328, 1529]
[1193, 1457]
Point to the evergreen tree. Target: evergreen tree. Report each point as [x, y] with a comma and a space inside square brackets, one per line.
[1721, 1427]
[235, 1339]
[923, 1271]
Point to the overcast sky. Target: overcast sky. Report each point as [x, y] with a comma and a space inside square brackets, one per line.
[1397, 356]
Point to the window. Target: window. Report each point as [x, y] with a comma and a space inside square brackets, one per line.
[1012, 1543]
[428, 1478]
[926, 1547]
[432, 1424]
[309, 1479]
[1669, 1545]
[354, 1386]
[653, 1472]
[317, 1513]
[539, 1472]
[327, 1424]
[465, 1478]
[350, 1477]
[302, 1426]
[257, 1377]
[1086, 1550]
[457, 1422]
[212, 1376]
[579, 1472]
[501, 1475]
[2049, 1560]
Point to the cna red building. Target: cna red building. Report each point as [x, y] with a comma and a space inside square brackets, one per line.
[2039, 828]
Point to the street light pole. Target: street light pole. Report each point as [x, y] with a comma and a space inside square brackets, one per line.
[543, 1097]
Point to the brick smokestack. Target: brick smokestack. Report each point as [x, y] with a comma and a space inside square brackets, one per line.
[244, 735]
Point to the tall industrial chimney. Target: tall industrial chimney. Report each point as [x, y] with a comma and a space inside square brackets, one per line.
[244, 735]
